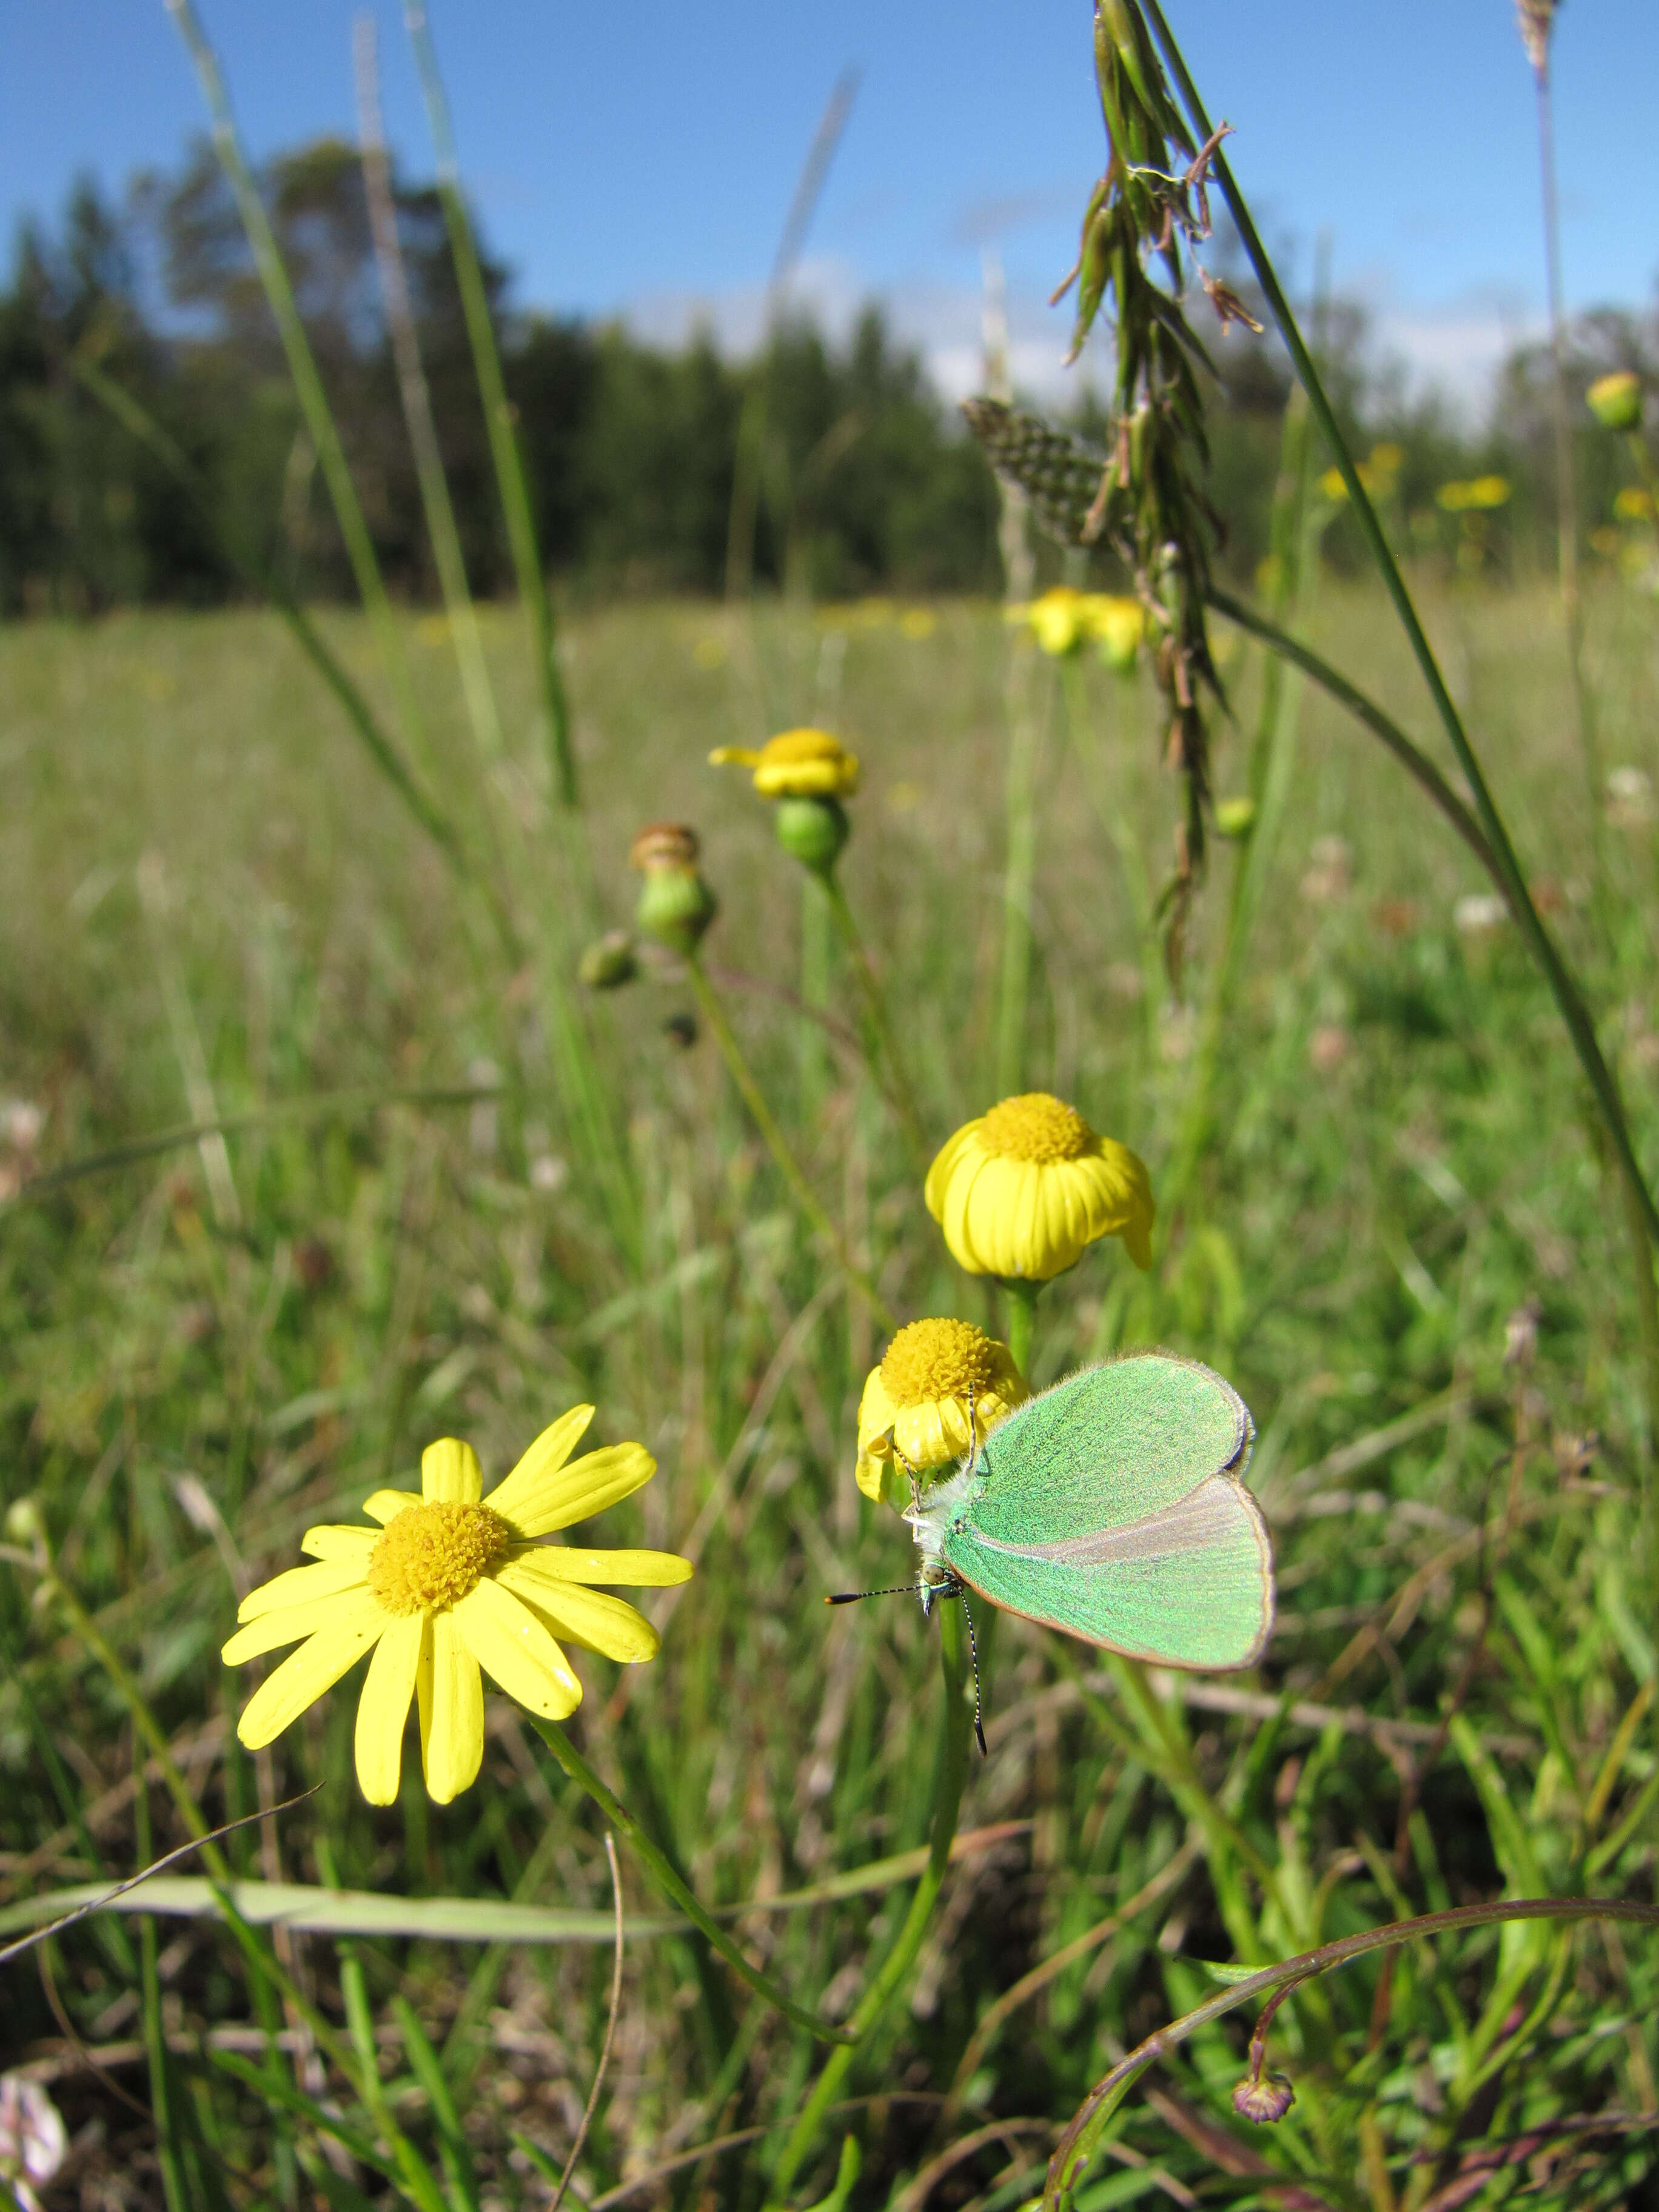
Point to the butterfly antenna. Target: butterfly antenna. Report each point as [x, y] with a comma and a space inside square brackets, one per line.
[851, 1597]
[972, 1654]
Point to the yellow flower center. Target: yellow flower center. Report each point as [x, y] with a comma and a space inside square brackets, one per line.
[429, 1557]
[934, 1359]
[1036, 1127]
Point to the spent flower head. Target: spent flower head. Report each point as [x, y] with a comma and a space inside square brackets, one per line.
[1022, 1190]
[914, 1413]
[449, 1583]
[676, 906]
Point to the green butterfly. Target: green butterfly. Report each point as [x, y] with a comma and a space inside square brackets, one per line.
[1114, 1507]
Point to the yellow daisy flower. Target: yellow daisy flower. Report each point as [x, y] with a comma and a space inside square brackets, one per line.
[1118, 626]
[447, 1584]
[1059, 620]
[798, 764]
[914, 1407]
[1616, 400]
[1021, 1191]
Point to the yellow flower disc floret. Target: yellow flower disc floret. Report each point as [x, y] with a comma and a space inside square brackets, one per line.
[1020, 1192]
[914, 1413]
[430, 1556]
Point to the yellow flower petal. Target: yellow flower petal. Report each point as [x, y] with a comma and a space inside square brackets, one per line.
[733, 756]
[451, 1711]
[957, 1216]
[450, 1473]
[594, 1619]
[560, 1564]
[509, 1642]
[877, 1414]
[936, 1189]
[927, 1434]
[869, 1474]
[571, 1493]
[300, 1585]
[532, 1475]
[336, 1541]
[386, 1505]
[383, 1709]
[305, 1674]
[268, 1632]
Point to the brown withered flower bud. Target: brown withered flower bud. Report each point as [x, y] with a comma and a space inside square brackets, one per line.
[1264, 2097]
[664, 845]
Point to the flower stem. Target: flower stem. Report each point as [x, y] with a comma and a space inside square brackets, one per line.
[663, 1873]
[1567, 502]
[1020, 805]
[1021, 1321]
[876, 1008]
[950, 1773]
[1569, 1001]
[775, 1142]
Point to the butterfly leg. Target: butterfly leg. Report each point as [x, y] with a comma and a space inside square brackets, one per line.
[914, 1473]
[973, 1438]
[972, 1654]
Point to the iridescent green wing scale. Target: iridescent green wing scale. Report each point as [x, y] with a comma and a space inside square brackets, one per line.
[1112, 1507]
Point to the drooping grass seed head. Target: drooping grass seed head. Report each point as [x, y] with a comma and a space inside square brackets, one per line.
[914, 1412]
[1022, 1190]
[1536, 20]
[676, 906]
[1616, 400]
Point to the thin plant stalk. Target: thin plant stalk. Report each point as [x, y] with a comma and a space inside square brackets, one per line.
[1020, 808]
[302, 367]
[663, 1873]
[1566, 490]
[810, 1044]
[436, 505]
[1569, 1001]
[1090, 2123]
[499, 419]
[1021, 1300]
[752, 423]
[950, 1774]
[381, 748]
[1119, 827]
[576, 1076]
[777, 1144]
[875, 1006]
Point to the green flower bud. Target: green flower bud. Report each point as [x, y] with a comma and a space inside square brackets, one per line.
[1235, 817]
[676, 907]
[609, 962]
[1616, 400]
[814, 830]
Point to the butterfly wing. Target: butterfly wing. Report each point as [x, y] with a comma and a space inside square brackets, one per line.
[1112, 1507]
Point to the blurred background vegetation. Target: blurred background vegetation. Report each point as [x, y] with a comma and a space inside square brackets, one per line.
[867, 481]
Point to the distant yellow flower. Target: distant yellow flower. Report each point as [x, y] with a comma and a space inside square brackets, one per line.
[1616, 400]
[914, 1407]
[918, 622]
[1334, 485]
[1633, 504]
[1020, 1192]
[1058, 619]
[1386, 458]
[1064, 619]
[798, 764]
[449, 1585]
[1118, 625]
[1458, 498]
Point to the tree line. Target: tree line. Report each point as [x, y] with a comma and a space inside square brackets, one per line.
[864, 480]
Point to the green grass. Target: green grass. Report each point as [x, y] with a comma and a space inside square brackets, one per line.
[1402, 1156]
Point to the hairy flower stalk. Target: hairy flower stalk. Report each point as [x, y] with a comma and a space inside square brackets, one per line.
[1145, 500]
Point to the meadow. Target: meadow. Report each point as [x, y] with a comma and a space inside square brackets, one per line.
[1384, 1212]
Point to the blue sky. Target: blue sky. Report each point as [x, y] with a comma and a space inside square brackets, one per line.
[638, 159]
